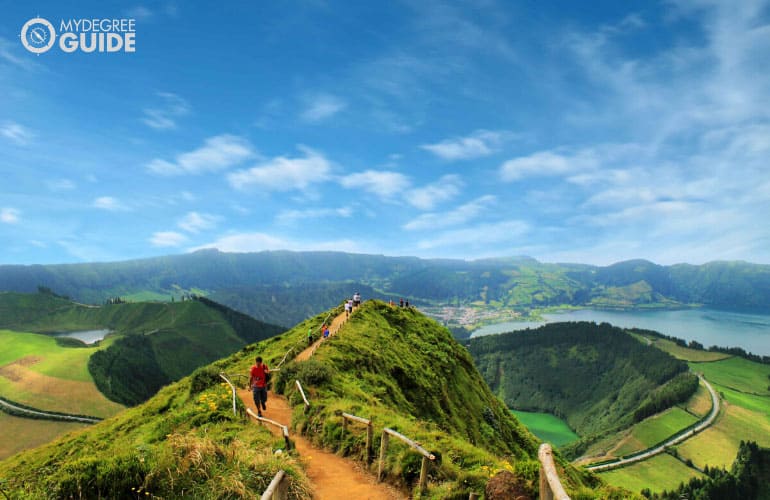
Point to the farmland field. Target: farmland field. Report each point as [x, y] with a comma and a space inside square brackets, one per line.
[23, 433]
[655, 429]
[737, 373]
[662, 472]
[36, 371]
[547, 427]
[686, 353]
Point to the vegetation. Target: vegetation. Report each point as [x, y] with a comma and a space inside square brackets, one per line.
[391, 364]
[152, 343]
[748, 478]
[286, 287]
[658, 473]
[597, 377]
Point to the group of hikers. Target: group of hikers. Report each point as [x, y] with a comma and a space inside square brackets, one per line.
[260, 373]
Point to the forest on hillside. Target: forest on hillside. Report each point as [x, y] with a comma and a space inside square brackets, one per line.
[596, 377]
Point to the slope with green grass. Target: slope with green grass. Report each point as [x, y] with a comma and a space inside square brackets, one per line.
[596, 377]
[391, 364]
[151, 343]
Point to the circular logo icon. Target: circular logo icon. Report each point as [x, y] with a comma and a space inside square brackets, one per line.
[37, 35]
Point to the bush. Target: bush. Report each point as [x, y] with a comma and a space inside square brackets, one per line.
[309, 373]
[203, 378]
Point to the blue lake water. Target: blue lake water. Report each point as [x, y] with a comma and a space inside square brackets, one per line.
[707, 326]
[87, 336]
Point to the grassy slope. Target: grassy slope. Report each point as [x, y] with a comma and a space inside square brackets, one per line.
[184, 438]
[23, 433]
[743, 417]
[57, 380]
[655, 429]
[662, 472]
[181, 443]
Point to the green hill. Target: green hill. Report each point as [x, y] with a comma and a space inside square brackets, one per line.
[392, 364]
[151, 343]
[597, 377]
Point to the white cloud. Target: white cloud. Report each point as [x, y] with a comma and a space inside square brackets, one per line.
[322, 106]
[456, 217]
[16, 133]
[427, 197]
[109, 203]
[284, 174]
[9, 215]
[290, 216]
[546, 163]
[477, 236]
[382, 184]
[57, 185]
[10, 52]
[257, 242]
[139, 12]
[479, 143]
[217, 153]
[195, 222]
[164, 115]
[167, 239]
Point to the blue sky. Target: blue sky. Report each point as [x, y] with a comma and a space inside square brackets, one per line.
[566, 131]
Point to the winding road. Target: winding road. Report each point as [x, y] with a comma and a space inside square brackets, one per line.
[47, 415]
[650, 452]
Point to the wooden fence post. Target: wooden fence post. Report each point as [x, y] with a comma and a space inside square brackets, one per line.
[424, 473]
[473, 496]
[383, 451]
[369, 440]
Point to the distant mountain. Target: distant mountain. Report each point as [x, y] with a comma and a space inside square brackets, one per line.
[152, 344]
[285, 287]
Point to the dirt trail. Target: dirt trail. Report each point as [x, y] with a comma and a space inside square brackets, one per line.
[333, 328]
[332, 476]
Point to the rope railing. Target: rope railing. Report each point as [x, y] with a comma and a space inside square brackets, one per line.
[278, 489]
[550, 485]
[369, 431]
[426, 455]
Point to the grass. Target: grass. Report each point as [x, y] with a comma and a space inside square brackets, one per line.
[662, 472]
[655, 429]
[36, 371]
[685, 353]
[737, 373]
[23, 433]
[547, 427]
[718, 445]
[700, 402]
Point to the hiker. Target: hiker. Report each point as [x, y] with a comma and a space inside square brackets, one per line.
[258, 383]
[401, 302]
[406, 304]
[356, 299]
[310, 336]
[326, 331]
[348, 306]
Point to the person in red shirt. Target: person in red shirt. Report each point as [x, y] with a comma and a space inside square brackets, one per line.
[258, 384]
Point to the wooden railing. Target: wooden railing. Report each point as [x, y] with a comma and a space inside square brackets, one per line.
[284, 429]
[550, 485]
[278, 488]
[426, 455]
[235, 396]
[304, 398]
[369, 431]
